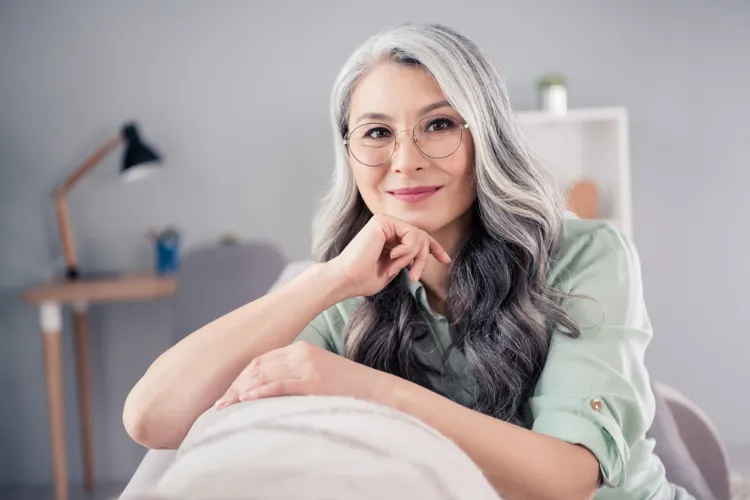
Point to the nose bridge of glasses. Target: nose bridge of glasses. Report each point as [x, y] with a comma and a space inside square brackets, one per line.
[414, 136]
[405, 156]
[403, 130]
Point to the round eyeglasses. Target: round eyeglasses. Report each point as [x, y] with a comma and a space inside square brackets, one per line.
[436, 136]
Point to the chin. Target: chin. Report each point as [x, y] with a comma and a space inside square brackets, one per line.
[425, 221]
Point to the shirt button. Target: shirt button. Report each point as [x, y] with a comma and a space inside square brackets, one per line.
[596, 404]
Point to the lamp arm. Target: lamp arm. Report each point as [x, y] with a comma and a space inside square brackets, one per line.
[89, 164]
[61, 204]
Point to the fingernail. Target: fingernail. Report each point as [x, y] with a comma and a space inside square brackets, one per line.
[220, 404]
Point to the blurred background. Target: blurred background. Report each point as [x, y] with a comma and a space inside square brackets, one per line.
[234, 96]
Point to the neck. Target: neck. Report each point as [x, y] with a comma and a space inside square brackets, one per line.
[435, 274]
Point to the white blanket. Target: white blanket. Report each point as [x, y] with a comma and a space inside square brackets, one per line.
[316, 448]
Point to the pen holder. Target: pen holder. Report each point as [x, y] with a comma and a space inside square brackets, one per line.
[167, 251]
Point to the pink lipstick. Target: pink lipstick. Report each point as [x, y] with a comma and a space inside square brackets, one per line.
[414, 194]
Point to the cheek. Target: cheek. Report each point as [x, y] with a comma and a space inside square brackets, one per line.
[368, 181]
[463, 172]
[467, 153]
[465, 193]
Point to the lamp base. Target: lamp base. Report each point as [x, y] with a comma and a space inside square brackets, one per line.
[71, 273]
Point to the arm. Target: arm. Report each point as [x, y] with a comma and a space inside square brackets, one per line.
[519, 463]
[188, 378]
[591, 404]
[593, 400]
[191, 376]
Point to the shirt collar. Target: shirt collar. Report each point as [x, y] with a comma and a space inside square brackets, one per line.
[417, 290]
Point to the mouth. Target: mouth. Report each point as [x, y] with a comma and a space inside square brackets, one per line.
[414, 194]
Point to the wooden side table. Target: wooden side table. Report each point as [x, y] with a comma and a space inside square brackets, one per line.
[50, 298]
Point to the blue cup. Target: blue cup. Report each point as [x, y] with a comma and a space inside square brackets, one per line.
[167, 246]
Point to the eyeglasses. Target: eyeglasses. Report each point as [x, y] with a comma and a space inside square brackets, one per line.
[436, 136]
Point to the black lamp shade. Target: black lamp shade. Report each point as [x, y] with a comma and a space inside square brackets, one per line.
[136, 152]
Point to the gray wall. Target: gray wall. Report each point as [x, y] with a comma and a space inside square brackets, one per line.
[235, 95]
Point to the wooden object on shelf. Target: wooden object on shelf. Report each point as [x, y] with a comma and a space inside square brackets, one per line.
[583, 199]
[590, 144]
[49, 298]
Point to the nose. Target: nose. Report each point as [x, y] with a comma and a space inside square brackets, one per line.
[407, 157]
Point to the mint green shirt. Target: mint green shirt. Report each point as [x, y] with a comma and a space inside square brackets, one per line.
[593, 390]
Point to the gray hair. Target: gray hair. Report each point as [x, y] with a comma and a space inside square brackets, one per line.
[500, 307]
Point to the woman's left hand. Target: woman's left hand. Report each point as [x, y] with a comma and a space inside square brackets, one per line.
[304, 369]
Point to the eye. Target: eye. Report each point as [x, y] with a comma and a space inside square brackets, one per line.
[441, 124]
[377, 133]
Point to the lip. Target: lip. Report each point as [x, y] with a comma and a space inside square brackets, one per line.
[414, 194]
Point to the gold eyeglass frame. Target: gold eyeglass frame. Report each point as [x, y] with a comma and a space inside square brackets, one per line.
[461, 128]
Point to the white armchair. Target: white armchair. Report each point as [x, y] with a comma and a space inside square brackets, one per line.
[695, 429]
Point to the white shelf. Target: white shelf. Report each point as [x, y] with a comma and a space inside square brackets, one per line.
[586, 143]
[573, 115]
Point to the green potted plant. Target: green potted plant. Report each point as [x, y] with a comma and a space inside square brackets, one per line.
[553, 93]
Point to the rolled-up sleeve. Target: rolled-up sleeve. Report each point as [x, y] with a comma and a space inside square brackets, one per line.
[594, 390]
[327, 329]
[317, 333]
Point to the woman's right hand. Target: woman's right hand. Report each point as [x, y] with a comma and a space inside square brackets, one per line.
[383, 247]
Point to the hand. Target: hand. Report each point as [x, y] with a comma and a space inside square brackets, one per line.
[304, 369]
[383, 247]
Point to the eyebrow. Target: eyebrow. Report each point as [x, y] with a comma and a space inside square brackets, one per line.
[424, 110]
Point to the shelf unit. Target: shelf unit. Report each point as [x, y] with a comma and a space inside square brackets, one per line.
[586, 143]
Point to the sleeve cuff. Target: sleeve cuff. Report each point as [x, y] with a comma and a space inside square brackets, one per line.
[593, 434]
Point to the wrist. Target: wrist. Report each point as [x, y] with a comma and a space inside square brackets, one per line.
[334, 281]
[392, 391]
[330, 282]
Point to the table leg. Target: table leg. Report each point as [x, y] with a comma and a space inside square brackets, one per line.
[83, 373]
[50, 319]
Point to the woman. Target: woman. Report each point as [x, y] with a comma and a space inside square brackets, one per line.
[449, 286]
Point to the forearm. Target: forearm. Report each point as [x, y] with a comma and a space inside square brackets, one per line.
[519, 463]
[188, 378]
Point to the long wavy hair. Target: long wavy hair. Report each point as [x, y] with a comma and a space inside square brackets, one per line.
[500, 307]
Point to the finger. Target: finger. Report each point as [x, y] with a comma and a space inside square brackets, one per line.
[249, 383]
[400, 228]
[286, 387]
[439, 252]
[280, 352]
[267, 374]
[398, 251]
[258, 360]
[411, 237]
[400, 263]
[385, 225]
[393, 227]
[271, 370]
[230, 397]
[395, 230]
[408, 249]
[266, 361]
[420, 262]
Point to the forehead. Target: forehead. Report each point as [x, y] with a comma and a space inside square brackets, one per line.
[394, 89]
